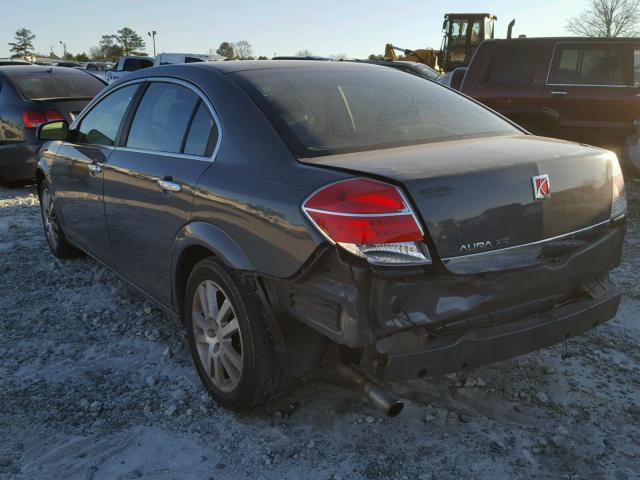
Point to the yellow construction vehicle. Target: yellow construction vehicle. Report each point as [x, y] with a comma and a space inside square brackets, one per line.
[428, 56]
[463, 32]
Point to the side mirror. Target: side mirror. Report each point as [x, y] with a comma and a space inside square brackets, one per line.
[56, 130]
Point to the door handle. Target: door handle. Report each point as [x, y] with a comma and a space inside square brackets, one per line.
[168, 185]
[94, 169]
[558, 93]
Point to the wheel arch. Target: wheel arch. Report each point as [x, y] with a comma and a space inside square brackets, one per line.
[42, 173]
[195, 242]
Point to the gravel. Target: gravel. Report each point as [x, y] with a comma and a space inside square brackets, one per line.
[95, 382]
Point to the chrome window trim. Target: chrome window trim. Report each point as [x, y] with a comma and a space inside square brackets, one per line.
[176, 81]
[553, 56]
[166, 154]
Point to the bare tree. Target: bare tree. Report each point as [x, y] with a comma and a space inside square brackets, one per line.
[243, 50]
[608, 18]
[304, 53]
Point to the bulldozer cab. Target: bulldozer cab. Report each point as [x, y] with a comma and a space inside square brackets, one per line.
[463, 32]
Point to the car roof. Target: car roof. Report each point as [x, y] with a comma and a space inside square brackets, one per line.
[244, 65]
[567, 39]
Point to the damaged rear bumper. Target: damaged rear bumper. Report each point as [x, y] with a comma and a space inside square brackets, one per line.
[408, 355]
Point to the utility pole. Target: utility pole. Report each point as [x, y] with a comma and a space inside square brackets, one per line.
[152, 34]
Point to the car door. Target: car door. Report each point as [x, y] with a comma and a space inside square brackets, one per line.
[590, 91]
[77, 172]
[512, 84]
[150, 181]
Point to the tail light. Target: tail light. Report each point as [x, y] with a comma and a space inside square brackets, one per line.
[35, 119]
[619, 204]
[370, 219]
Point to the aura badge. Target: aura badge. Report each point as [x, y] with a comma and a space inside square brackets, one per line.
[541, 187]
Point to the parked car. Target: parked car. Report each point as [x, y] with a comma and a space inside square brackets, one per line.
[98, 69]
[68, 64]
[275, 207]
[415, 68]
[582, 89]
[126, 65]
[173, 58]
[302, 57]
[454, 78]
[8, 63]
[31, 95]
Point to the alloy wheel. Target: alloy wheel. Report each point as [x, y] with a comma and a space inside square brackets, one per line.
[216, 333]
[50, 219]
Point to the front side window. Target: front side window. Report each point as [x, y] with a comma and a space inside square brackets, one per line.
[162, 118]
[336, 110]
[100, 126]
[588, 65]
[475, 33]
[514, 64]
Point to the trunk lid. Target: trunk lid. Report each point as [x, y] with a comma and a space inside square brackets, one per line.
[477, 195]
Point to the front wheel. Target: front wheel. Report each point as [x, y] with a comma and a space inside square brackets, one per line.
[58, 243]
[229, 340]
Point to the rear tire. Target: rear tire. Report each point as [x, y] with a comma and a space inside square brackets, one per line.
[229, 340]
[58, 243]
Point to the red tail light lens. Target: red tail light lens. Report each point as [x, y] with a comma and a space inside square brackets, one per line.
[53, 116]
[368, 218]
[35, 119]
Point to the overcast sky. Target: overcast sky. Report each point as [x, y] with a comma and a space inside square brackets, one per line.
[325, 27]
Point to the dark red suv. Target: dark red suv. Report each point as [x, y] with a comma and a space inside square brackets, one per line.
[583, 89]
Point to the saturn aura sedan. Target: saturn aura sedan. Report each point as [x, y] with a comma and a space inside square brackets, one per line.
[278, 208]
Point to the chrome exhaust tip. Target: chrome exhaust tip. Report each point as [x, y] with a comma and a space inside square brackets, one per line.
[377, 395]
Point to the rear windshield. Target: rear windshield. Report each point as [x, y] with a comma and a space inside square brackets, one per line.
[55, 84]
[324, 111]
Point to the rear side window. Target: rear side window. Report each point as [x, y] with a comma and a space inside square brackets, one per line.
[162, 118]
[58, 83]
[100, 126]
[588, 65]
[514, 65]
[133, 64]
[203, 133]
[636, 66]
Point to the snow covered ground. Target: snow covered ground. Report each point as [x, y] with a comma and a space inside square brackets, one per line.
[97, 383]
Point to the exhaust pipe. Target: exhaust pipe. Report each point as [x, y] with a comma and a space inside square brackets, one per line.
[378, 396]
[510, 29]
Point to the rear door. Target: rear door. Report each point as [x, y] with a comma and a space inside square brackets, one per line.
[150, 180]
[513, 82]
[590, 91]
[78, 172]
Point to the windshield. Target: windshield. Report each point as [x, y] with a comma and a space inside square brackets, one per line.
[55, 84]
[323, 111]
